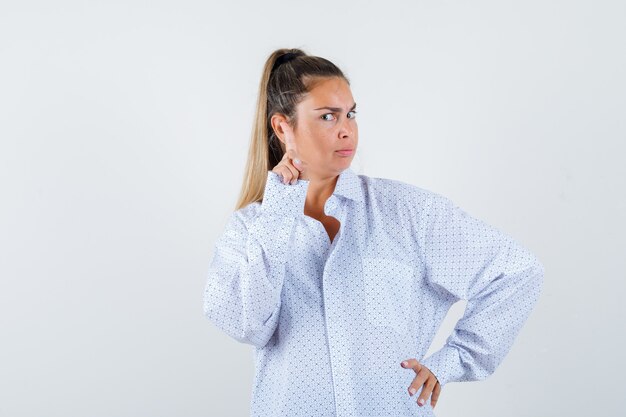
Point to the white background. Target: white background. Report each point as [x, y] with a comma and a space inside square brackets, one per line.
[124, 128]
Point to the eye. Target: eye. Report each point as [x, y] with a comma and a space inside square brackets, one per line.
[353, 111]
[324, 116]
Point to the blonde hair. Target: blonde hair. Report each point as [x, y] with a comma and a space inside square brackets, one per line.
[288, 74]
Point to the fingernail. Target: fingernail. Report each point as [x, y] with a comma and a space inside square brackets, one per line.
[421, 401]
[297, 161]
[412, 391]
[404, 363]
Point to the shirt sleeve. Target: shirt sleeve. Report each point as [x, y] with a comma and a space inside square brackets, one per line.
[466, 258]
[247, 270]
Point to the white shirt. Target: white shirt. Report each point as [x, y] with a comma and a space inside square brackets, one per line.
[331, 322]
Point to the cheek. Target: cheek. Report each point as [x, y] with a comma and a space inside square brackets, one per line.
[312, 143]
[317, 144]
[307, 148]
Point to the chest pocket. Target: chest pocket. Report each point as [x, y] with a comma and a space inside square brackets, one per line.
[388, 286]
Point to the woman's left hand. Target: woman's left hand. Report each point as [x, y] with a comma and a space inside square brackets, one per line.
[424, 377]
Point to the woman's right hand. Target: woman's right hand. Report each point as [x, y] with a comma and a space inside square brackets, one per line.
[290, 168]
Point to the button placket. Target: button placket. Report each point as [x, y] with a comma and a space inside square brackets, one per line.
[335, 330]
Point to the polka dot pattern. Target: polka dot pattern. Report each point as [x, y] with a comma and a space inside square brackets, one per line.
[330, 322]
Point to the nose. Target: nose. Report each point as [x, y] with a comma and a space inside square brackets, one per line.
[347, 129]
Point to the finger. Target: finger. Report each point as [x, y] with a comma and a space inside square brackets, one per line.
[285, 172]
[289, 164]
[427, 389]
[286, 162]
[290, 145]
[293, 172]
[415, 366]
[289, 142]
[420, 379]
[435, 396]
[424, 377]
[411, 363]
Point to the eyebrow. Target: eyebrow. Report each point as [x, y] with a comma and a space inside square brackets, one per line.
[336, 109]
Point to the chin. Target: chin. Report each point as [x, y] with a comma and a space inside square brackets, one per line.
[343, 164]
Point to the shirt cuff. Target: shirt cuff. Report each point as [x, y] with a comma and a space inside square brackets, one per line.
[284, 199]
[445, 364]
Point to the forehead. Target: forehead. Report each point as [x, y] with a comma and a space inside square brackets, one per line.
[329, 92]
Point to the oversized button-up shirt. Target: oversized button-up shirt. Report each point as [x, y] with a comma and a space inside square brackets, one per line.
[330, 322]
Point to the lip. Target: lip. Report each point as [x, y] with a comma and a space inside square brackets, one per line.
[345, 152]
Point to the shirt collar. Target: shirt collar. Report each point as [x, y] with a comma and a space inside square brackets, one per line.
[348, 185]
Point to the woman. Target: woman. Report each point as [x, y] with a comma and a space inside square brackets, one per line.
[341, 281]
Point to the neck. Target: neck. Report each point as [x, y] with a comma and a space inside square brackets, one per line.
[318, 191]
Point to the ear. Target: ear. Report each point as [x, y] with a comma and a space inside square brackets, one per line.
[276, 120]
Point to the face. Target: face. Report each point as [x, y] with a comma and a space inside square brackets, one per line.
[326, 134]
